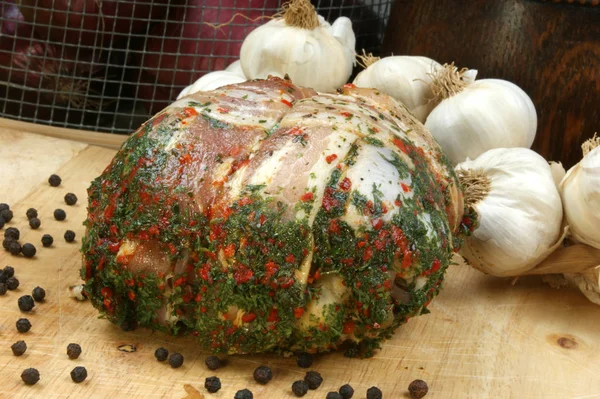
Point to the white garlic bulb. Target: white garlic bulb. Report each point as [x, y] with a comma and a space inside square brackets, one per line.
[519, 211]
[477, 116]
[580, 192]
[213, 80]
[406, 78]
[302, 45]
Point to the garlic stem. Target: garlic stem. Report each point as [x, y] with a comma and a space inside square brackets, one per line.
[476, 185]
[366, 60]
[447, 81]
[300, 14]
[590, 144]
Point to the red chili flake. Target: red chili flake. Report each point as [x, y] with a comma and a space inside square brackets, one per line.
[242, 274]
[122, 259]
[307, 197]
[107, 303]
[172, 248]
[330, 158]
[369, 207]
[131, 295]
[273, 316]
[222, 110]
[345, 184]
[407, 259]
[398, 202]
[286, 102]
[379, 245]
[195, 333]
[361, 244]
[405, 187]
[286, 282]
[153, 230]
[113, 230]
[114, 247]
[106, 292]
[317, 275]
[179, 281]
[290, 258]
[368, 254]
[347, 261]
[248, 317]
[346, 115]
[198, 297]
[377, 223]
[349, 86]
[203, 309]
[399, 238]
[271, 268]
[189, 112]
[185, 159]
[329, 202]
[387, 284]
[230, 330]
[245, 201]
[400, 144]
[229, 250]
[262, 219]
[334, 227]
[187, 297]
[109, 211]
[298, 312]
[358, 284]
[348, 327]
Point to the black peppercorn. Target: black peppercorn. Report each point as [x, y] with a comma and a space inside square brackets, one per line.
[23, 325]
[30, 376]
[54, 180]
[4, 206]
[38, 294]
[212, 362]
[176, 360]
[333, 395]
[374, 393]
[299, 388]
[212, 384]
[9, 271]
[78, 374]
[73, 351]
[31, 213]
[313, 379]
[26, 303]
[28, 250]
[12, 283]
[3, 288]
[304, 360]
[3, 276]
[243, 394]
[18, 348]
[263, 374]
[12, 232]
[1, 223]
[346, 391]
[59, 214]
[417, 389]
[47, 240]
[70, 199]
[6, 243]
[161, 354]
[14, 247]
[35, 223]
[69, 236]
[6, 215]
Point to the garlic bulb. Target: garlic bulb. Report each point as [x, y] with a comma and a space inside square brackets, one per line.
[406, 78]
[477, 116]
[302, 45]
[519, 209]
[580, 192]
[213, 80]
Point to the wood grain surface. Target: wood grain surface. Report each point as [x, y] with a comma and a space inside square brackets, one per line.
[483, 339]
[552, 51]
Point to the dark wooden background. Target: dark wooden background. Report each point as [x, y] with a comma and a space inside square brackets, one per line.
[551, 50]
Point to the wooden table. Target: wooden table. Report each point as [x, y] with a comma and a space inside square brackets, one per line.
[484, 337]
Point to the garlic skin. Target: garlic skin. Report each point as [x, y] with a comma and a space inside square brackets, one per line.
[486, 114]
[519, 217]
[558, 172]
[321, 58]
[406, 78]
[580, 192]
[213, 80]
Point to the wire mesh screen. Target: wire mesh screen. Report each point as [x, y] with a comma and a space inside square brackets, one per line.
[108, 65]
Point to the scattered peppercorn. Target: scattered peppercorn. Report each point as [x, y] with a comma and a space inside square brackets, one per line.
[418, 389]
[12, 232]
[73, 351]
[212, 384]
[60, 214]
[78, 374]
[4, 206]
[31, 213]
[3, 288]
[18, 348]
[54, 180]
[6, 242]
[263, 374]
[35, 223]
[47, 240]
[14, 247]
[1, 223]
[12, 283]
[30, 376]
[28, 250]
[243, 394]
[23, 325]
[346, 391]
[212, 362]
[70, 199]
[333, 395]
[9, 271]
[38, 294]
[299, 388]
[304, 360]
[69, 236]
[161, 354]
[374, 393]
[176, 360]
[6, 215]
[313, 379]
[3, 276]
[26, 303]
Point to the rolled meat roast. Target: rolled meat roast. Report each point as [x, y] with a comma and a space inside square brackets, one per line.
[263, 216]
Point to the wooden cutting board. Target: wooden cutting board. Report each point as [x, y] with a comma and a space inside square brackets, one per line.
[484, 338]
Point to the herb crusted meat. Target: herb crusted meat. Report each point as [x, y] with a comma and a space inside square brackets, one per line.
[267, 217]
